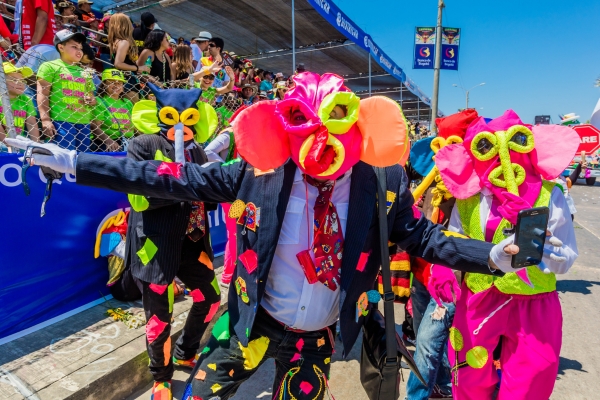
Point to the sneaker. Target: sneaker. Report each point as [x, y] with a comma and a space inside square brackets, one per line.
[441, 393]
[191, 363]
[161, 391]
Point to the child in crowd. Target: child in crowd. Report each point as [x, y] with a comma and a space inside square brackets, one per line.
[111, 124]
[24, 114]
[65, 95]
[209, 92]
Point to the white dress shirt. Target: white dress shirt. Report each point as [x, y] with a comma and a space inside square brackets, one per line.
[289, 297]
[559, 224]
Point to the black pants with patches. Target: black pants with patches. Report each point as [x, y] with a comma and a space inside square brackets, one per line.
[195, 275]
[302, 361]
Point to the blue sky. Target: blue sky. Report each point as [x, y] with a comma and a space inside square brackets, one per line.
[536, 57]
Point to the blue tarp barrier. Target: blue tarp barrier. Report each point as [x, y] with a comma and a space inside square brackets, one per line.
[47, 265]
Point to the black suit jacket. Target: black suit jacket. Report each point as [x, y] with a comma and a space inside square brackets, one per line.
[164, 222]
[271, 192]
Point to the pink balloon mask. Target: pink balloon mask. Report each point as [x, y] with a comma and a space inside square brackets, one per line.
[507, 157]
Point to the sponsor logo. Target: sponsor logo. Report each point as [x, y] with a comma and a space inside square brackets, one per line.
[324, 5]
[370, 45]
[450, 53]
[424, 52]
[385, 61]
[10, 176]
[346, 25]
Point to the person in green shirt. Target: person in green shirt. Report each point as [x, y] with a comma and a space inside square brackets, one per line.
[65, 94]
[23, 110]
[111, 121]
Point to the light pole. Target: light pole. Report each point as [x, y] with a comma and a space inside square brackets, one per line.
[467, 91]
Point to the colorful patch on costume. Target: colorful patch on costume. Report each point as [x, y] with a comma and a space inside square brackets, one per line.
[306, 387]
[154, 328]
[249, 219]
[454, 234]
[169, 168]
[374, 296]
[147, 252]
[326, 248]
[240, 289]
[390, 199]
[215, 388]
[221, 329]
[158, 289]
[215, 286]
[213, 310]
[212, 366]
[231, 373]
[237, 209]
[204, 259]
[327, 360]
[249, 259]
[477, 357]
[337, 246]
[524, 276]
[254, 353]
[161, 391]
[171, 296]
[362, 306]
[197, 296]
[296, 357]
[456, 339]
[320, 342]
[167, 351]
[200, 375]
[362, 261]
[416, 212]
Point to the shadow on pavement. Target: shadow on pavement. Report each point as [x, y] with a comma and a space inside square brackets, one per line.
[576, 286]
[566, 363]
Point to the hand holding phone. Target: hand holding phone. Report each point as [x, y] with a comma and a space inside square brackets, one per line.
[530, 236]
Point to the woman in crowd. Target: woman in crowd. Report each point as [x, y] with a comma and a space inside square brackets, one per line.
[182, 62]
[124, 53]
[209, 93]
[111, 124]
[154, 56]
[280, 90]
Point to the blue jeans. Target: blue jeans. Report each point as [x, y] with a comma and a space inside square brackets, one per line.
[72, 136]
[431, 355]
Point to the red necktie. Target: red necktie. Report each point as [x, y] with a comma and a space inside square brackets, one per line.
[328, 237]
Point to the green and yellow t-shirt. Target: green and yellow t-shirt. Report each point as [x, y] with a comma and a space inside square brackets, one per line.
[115, 116]
[69, 86]
[22, 108]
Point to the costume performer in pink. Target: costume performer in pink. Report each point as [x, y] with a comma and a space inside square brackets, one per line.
[502, 167]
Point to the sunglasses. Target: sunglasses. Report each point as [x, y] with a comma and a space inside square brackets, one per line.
[209, 77]
[212, 45]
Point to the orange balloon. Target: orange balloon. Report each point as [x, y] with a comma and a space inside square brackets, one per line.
[259, 136]
[383, 127]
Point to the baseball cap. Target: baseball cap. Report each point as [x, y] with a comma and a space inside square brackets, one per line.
[65, 34]
[84, 2]
[203, 36]
[10, 69]
[148, 19]
[113, 74]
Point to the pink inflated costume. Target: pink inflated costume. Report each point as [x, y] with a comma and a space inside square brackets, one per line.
[504, 166]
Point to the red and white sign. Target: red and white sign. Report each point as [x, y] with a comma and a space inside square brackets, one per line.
[589, 137]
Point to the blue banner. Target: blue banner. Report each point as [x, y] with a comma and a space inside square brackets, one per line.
[47, 265]
[424, 47]
[450, 46]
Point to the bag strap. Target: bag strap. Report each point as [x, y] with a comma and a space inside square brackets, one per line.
[388, 295]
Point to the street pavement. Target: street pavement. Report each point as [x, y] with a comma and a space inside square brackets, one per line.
[579, 293]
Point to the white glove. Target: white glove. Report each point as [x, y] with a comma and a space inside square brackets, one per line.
[61, 160]
[551, 242]
[500, 258]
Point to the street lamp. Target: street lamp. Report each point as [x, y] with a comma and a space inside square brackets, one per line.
[467, 91]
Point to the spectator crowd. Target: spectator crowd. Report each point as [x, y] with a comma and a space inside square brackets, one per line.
[73, 77]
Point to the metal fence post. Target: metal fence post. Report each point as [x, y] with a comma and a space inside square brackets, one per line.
[6, 107]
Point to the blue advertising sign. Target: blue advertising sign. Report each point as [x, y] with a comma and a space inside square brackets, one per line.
[424, 47]
[47, 265]
[450, 45]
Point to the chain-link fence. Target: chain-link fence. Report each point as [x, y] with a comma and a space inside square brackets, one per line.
[87, 106]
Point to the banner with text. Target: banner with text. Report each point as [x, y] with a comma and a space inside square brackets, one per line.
[424, 47]
[47, 264]
[450, 45]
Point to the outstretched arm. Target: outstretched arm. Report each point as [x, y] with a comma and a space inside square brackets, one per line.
[432, 242]
[212, 183]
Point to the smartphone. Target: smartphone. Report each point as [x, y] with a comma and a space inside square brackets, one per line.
[530, 235]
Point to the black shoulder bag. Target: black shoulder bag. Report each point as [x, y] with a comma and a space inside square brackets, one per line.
[382, 348]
